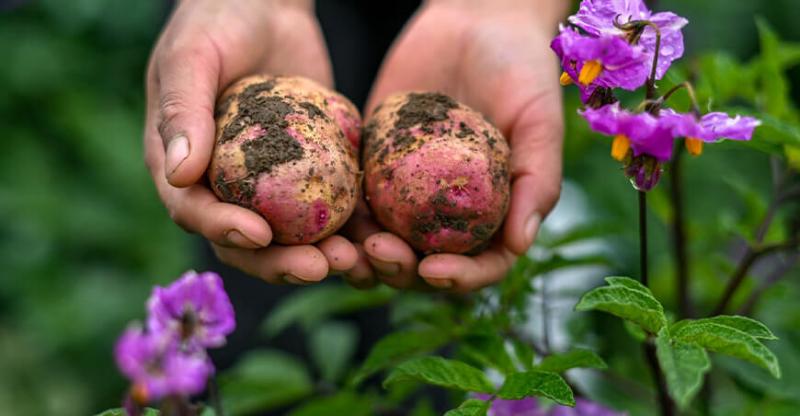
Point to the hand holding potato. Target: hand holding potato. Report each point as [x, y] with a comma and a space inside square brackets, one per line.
[206, 45]
[494, 57]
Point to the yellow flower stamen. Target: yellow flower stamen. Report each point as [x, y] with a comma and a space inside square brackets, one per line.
[590, 71]
[565, 79]
[694, 146]
[620, 147]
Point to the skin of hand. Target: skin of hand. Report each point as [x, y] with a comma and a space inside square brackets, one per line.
[206, 45]
[493, 56]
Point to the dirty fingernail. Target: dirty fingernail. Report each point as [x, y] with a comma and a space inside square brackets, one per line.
[385, 268]
[236, 238]
[294, 280]
[531, 227]
[177, 152]
[440, 283]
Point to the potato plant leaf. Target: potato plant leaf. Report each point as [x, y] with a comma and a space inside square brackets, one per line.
[470, 407]
[684, 366]
[441, 372]
[537, 383]
[577, 358]
[626, 299]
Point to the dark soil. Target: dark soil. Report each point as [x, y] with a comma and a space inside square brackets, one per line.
[424, 109]
[313, 111]
[269, 111]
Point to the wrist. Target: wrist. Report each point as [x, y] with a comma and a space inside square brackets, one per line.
[546, 13]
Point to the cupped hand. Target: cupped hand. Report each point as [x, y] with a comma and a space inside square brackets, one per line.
[494, 57]
[206, 45]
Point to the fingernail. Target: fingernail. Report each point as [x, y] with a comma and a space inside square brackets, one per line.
[385, 268]
[294, 280]
[236, 238]
[440, 283]
[531, 227]
[177, 152]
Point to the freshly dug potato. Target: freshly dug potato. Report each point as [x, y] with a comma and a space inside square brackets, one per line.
[436, 172]
[286, 147]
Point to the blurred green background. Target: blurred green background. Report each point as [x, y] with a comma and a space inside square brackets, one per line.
[83, 235]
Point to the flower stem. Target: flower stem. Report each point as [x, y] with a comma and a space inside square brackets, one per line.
[651, 82]
[643, 238]
[679, 238]
[665, 402]
[213, 393]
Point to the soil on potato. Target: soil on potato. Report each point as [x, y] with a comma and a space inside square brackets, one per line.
[424, 109]
[312, 110]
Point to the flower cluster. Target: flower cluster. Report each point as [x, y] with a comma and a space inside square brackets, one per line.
[529, 406]
[621, 44]
[168, 357]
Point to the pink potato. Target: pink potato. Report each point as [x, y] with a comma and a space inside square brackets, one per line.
[287, 148]
[436, 172]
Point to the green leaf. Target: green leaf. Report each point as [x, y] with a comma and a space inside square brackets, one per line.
[729, 341]
[775, 86]
[488, 350]
[314, 304]
[524, 353]
[121, 412]
[747, 325]
[684, 366]
[343, 403]
[423, 407]
[441, 372]
[626, 300]
[397, 347]
[332, 346]
[635, 331]
[537, 383]
[577, 358]
[262, 380]
[471, 407]
[629, 283]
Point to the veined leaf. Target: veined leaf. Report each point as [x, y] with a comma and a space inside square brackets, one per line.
[441, 372]
[627, 282]
[577, 358]
[471, 407]
[524, 353]
[121, 412]
[684, 366]
[399, 346]
[628, 303]
[729, 341]
[332, 346]
[488, 350]
[747, 325]
[537, 383]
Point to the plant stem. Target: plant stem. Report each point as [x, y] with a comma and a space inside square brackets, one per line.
[651, 82]
[774, 277]
[643, 238]
[665, 402]
[679, 238]
[545, 317]
[214, 397]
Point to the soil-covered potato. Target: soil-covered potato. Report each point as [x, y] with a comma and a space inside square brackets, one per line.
[287, 148]
[436, 172]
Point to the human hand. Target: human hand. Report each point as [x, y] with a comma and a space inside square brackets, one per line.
[494, 57]
[206, 45]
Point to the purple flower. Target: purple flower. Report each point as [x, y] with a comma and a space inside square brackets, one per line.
[604, 61]
[710, 128]
[157, 368]
[195, 309]
[523, 407]
[583, 407]
[642, 133]
[604, 17]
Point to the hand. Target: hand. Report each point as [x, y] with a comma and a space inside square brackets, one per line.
[494, 57]
[206, 45]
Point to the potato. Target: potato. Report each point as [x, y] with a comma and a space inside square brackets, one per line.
[436, 172]
[287, 148]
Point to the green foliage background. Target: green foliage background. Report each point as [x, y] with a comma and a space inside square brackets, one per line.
[83, 235]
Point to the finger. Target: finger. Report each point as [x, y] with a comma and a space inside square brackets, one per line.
[360, 225]
[465, 274]
[188, 81]
[536, 143]
[195, 208]
[340, 253]
[277, 264]
[392, 259]
[361, 276]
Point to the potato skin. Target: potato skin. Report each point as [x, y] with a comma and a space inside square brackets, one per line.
[436, 172]
[287, 148]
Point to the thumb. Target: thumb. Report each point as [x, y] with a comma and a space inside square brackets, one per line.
[188, 81]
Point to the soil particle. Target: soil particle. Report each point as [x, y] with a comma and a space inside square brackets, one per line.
[464, 130]
[223, 106]
[482, 232]
[268, 111]
[402, 141]
[276, 147]
[424, 109]
[313, 111]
